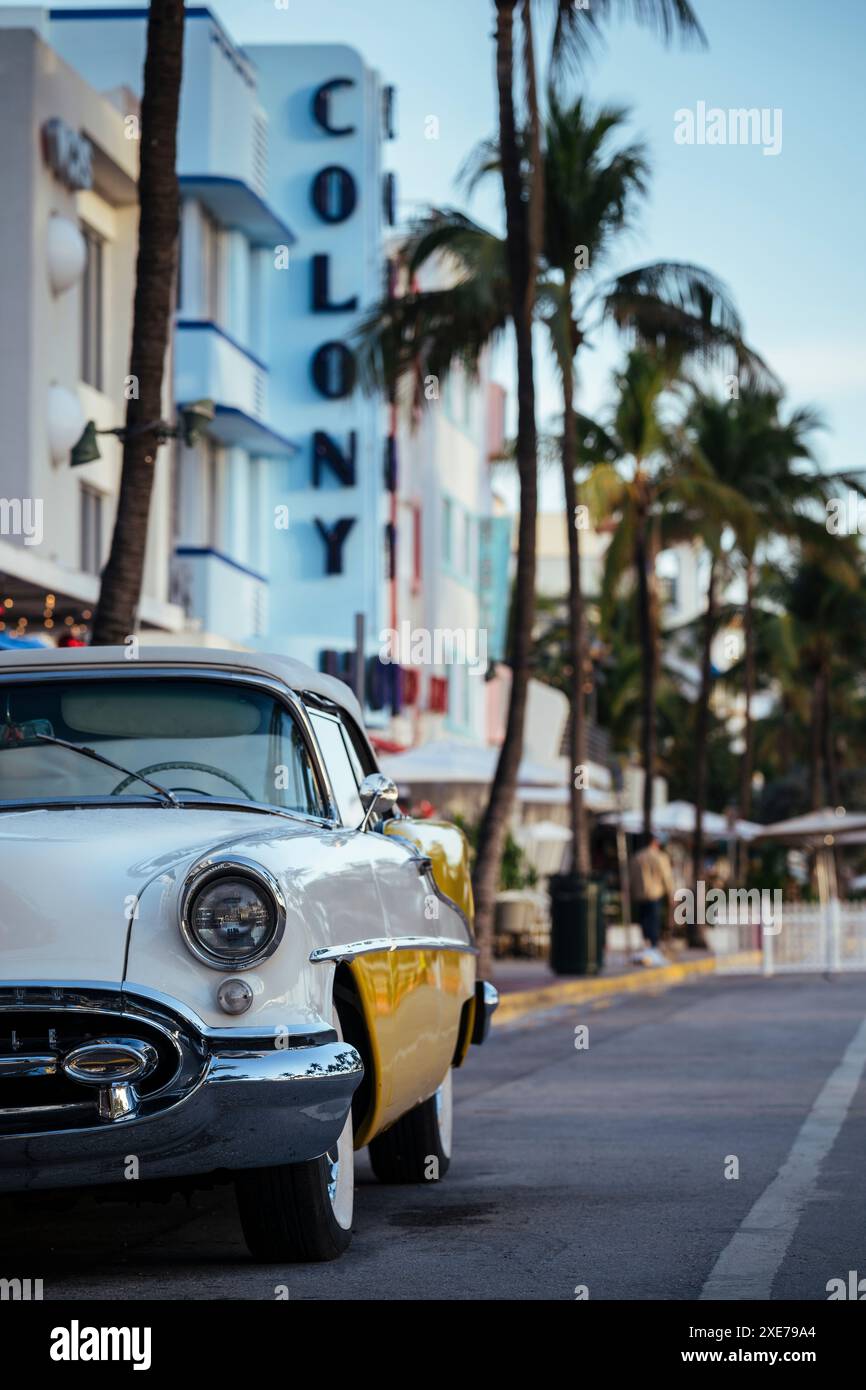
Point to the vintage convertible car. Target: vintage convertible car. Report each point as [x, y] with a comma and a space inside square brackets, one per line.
[224, 954]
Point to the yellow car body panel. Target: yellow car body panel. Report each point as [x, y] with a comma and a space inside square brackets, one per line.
[413, 999]
[446, 847]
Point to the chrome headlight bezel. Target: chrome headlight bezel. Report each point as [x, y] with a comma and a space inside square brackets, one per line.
[202, 875]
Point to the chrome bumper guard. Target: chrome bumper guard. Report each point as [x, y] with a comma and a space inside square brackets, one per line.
[486, 1004]
[237, 1099]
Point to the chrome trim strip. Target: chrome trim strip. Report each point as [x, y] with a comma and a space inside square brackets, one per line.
[36, 1064]
[353, 949]
[486, 1004]
[216, 866]
[105, 995]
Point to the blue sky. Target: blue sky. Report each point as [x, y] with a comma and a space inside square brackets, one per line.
[786, 233]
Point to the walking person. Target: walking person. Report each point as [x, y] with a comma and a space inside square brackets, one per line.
[652, 887]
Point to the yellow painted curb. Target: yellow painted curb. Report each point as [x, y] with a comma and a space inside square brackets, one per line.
[527, 1001]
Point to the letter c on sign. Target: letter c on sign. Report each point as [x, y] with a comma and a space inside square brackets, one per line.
[322, 106]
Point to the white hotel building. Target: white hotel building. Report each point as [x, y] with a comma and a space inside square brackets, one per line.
[68, 225]
[307, 503]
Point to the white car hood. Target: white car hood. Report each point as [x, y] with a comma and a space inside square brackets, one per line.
[70, 878]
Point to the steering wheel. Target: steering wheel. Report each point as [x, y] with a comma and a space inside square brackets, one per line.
[191, 767]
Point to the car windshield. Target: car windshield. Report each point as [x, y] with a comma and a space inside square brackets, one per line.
[201, 739]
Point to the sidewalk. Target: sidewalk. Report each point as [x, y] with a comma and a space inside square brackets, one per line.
[526, 986]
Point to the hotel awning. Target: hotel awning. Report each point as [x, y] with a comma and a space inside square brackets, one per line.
[236, 429]
[236, 206]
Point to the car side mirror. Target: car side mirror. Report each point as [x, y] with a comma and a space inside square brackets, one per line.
[376, 791]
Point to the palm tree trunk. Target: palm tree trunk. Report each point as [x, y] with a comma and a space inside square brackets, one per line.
[816, 769]
[648, 638]
[748, 762]
[576, 634]
[522, 250]
[832, 767]
[159, 203]
[702, 724]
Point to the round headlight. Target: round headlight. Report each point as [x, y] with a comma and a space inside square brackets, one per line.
[232, 918]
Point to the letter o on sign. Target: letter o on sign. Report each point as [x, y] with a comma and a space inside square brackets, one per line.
[335, 195]
[334, 371]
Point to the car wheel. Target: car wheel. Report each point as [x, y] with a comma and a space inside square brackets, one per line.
[418, 1147]
[300, 1211]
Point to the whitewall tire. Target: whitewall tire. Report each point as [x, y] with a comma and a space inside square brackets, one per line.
[301, 1211]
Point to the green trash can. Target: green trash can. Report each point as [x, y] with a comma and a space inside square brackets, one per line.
[577, 925]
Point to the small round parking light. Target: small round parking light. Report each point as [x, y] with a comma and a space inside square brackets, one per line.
[234, 996]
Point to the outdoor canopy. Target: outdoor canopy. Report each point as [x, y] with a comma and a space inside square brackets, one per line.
[678, 818]
[830, 820]
[447, 760]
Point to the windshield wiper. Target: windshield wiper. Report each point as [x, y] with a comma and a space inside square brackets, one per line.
[168, 796]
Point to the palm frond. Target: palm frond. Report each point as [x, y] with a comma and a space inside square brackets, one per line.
[683, 311]
[577, 26]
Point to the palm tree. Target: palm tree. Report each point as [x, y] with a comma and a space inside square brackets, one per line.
[523, 222]
[574, 27]
[159, 203]
[589, 192]
[587, 196]
[751, 449]
[824, 595]
[411, 326]
[647, 474]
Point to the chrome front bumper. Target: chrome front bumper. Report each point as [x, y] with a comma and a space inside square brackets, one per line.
[235, 1101]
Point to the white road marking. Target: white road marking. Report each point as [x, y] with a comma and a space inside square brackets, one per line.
[748, 1265]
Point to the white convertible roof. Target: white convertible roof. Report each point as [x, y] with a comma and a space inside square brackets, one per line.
[294, 674]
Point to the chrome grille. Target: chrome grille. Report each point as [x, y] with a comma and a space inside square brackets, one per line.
[38, 1028]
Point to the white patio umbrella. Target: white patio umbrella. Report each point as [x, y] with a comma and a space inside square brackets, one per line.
[676, 818]
[543, 844]
[448, 760]
[815, 826]
[820, 830]
[593, 799]
[748, 829]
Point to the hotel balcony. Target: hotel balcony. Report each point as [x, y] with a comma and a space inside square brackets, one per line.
[223, 595]
[210, 364]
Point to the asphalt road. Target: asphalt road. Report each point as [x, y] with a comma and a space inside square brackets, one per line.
[603, 1168]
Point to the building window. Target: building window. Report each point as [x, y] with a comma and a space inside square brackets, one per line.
[447, 530]
[211, 266]
[468, 548]
[212, 496]
[91, 529]
[416, 549]
[92, 305]
[254, 513]
[668, 575]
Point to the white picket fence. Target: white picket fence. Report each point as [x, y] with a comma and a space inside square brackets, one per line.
[807, 937]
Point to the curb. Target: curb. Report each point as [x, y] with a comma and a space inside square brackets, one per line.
[515, 1005]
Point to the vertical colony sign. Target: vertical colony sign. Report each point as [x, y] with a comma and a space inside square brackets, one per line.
[335, 197]
[327, 115]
